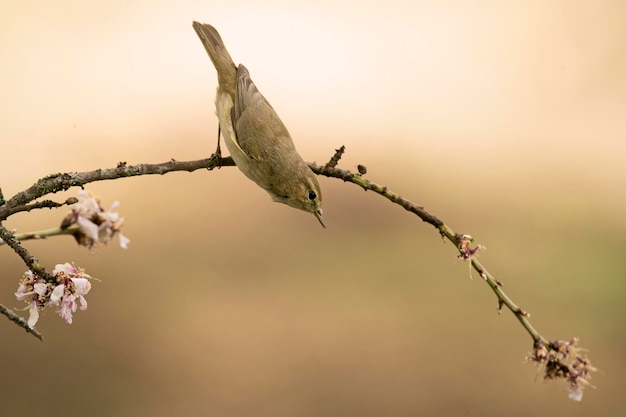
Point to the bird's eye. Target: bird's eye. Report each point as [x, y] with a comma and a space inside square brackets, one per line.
[312, 195]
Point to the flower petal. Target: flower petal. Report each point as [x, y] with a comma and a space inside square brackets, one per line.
[83, 302]
[124, 241]
[81, 286]
[89, 228]
[57, 294]
[34, 315]
[41, 288]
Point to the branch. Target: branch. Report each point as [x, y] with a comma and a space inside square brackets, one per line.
[63, 181]
[19, 321]
[44, 234]
[560, 359]
[45, 204]
[459, 240]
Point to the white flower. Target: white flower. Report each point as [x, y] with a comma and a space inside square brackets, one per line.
[71, 284]
[89, 228]
[95, 224]
[33, 316]
[32, 290]
[57, 294]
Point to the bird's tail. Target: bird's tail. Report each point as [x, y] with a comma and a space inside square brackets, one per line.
[226, 69]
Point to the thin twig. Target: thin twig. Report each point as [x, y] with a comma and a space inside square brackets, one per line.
[19, 321]
[43, 234]
[558, 359]
[336, 157]
[444, 230]
[45, 204]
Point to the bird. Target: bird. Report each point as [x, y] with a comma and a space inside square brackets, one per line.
[258, 141]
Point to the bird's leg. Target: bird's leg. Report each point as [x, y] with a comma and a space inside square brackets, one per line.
[218, 151]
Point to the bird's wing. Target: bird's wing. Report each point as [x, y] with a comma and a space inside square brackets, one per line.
[257, 126]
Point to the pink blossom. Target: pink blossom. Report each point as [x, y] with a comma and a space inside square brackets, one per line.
[95, 224]
[68, 291]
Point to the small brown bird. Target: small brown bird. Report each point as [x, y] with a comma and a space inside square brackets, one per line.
[256, 138]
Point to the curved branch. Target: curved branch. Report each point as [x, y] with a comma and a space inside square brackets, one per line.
[555, 356]
[63, 181]
[459, 240]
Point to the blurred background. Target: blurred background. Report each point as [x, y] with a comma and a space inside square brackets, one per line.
[505, 119]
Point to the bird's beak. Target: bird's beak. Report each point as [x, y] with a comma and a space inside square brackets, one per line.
[318, 214]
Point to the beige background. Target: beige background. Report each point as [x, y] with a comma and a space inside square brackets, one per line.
[505, 119]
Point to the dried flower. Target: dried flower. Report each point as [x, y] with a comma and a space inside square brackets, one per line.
[95, 224]
[562, 359]
[32, 290]
[465, 247]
